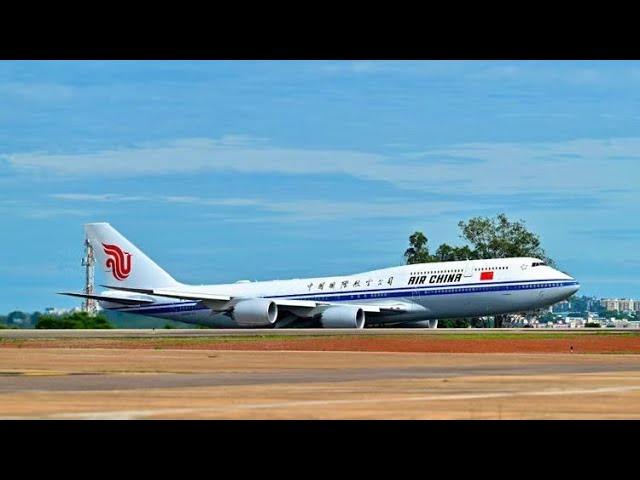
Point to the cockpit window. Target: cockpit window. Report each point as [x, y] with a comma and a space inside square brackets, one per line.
[538, 264]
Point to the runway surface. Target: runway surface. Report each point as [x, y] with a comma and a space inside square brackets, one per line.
[11, 382]
[59, 383]
[204, 333]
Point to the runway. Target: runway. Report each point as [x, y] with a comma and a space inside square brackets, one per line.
[59, 383]
[205, 333]
[12, 381]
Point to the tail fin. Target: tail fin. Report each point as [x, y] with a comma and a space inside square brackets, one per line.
[124, 264]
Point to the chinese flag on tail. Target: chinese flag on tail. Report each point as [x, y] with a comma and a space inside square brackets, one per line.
[486, 276]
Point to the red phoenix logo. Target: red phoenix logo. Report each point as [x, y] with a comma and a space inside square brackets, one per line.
[119, 262]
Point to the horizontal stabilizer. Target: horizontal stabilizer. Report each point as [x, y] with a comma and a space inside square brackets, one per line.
[104, 298]
[165, 292]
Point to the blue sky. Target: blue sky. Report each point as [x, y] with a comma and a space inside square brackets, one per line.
[227, 170]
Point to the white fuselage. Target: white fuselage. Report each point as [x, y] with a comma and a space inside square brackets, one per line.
[423, 291]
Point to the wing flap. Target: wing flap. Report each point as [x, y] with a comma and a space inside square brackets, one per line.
[285, 302]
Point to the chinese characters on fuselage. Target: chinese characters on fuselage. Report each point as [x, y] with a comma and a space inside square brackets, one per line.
[345, 284]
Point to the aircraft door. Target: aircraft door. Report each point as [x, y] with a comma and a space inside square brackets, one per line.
[468, 268]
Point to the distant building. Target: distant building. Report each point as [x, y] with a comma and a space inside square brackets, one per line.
[575, 322]
[626, 304]
[624, 323]
[620, 304]
[61, 311]
[563, 306]
[610, 304]
[592, 305]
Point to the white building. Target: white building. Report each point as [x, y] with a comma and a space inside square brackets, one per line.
[61, 311]
[620, 304]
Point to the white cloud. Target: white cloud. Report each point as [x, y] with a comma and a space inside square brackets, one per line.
[196, 155]
[54, 212]
[40, 92]
[344, 66]
[105, 197]
[580, 166]
[498, 72]
[429, 68]
[529, 72]
[584, 166]
[295, 210]
[568, 74]
[365, 66]
[326, 210]
[30, 209]
[228, 202]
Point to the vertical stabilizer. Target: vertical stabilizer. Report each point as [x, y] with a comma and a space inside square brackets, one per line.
[124, 264]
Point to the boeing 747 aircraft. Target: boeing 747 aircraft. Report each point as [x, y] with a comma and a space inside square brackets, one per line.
[418, 294]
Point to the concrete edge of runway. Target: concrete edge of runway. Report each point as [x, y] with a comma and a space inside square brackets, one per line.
[32, 334]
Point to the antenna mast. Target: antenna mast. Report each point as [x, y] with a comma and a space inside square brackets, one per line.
[90, 305]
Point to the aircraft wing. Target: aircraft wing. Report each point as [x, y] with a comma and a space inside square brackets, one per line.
[104, 298]
[219, 302]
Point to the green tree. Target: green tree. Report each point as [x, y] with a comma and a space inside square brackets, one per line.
[35, 316]
[77, 320]
[454, 323]
[56, 322]
[97, 322]
[546, 318]
[446, 253]
[499, 238]
[418, 252]
[17, 318]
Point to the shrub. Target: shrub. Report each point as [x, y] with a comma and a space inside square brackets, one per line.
[76, 320]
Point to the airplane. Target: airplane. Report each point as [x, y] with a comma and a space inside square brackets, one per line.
[407, 295]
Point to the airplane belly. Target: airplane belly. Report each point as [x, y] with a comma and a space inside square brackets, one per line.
[190, 314]
[456, 305]
[204, 317]
[523, 300]
[478, 304]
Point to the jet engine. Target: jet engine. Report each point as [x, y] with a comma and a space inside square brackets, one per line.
[256, 312]
[346, 316]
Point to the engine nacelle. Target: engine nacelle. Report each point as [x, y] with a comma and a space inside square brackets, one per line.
[256, 312]
[420, 324]
[343, 317]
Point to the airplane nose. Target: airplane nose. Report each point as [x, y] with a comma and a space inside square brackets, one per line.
[574, 288]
